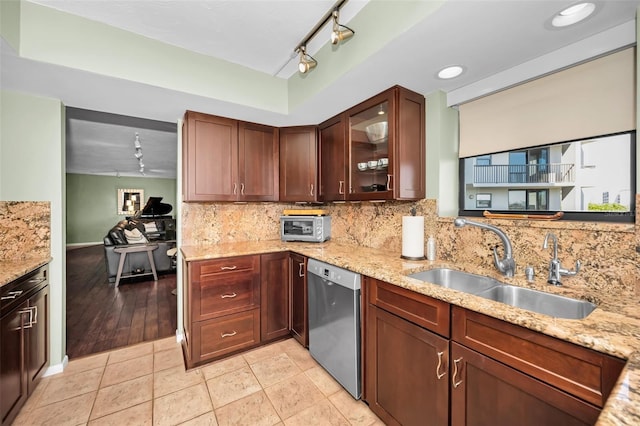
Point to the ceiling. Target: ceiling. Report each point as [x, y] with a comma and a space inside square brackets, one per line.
[489, 38]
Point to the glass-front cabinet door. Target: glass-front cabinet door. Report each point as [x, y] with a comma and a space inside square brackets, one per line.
[371, 130]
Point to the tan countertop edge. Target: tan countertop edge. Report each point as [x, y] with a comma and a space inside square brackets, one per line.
[11, 270]
[613, 328]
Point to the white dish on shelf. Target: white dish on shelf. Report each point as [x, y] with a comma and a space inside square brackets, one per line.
[377, 132]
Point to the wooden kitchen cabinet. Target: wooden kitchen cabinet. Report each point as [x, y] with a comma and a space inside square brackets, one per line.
[376, 149]
[24, 335]
[222, 307]
[333, 155]
[299, 303]
[581, 372]
[229, 160]
[406, 375]
[487, 392]
[298, 164]
[274, 291]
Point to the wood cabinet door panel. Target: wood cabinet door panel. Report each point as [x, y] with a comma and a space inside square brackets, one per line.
[298, 164]
[211, 158]
[258, 155]
[409, 151]
[299, 304]
[406, 371]
[425, 311]
[333, 175]
[38, 337]
[226, 334]
[13, 376]
[580, 371]
[274, 302]
[486, 392]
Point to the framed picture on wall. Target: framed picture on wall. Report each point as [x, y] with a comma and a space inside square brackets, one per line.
[129, 201]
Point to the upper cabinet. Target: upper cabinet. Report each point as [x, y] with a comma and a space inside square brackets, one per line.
[298, 164]
[375, 150]
[229, 160]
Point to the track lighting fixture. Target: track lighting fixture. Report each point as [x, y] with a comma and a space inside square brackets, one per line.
[307, 62]
[138, 153]
[340, 32]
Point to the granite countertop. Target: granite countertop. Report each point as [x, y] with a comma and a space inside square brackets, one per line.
[13, 269]
[612, 328]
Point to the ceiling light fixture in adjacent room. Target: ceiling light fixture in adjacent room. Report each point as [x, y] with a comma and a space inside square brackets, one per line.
[573, 14]
[138, 153]
[340, 32]
[450, 72]
[307, 62]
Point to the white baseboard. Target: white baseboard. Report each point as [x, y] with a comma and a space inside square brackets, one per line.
[57, 368]
[81, 245]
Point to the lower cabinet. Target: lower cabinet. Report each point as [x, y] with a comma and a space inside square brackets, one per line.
[486, 392]
[409, 368]
[299, 304]
[483, 371]
[233, 304]
[406, 365]
[274, 295]
[24, 340]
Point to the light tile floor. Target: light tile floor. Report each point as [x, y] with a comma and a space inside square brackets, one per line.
[146, 384]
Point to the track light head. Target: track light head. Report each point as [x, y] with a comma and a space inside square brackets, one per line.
[340, 32]
[307, 62]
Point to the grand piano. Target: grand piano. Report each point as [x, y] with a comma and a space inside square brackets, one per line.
[155, 214]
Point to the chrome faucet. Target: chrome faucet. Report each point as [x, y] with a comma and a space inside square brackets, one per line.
[506, 265]
[555, 268]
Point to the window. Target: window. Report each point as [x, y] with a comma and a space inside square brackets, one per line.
[553, 178]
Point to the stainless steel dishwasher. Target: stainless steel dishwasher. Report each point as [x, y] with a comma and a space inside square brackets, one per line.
[334, 322]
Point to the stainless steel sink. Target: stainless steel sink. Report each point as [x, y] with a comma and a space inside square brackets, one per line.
[539, 301]
[520, 297]
[457, 280]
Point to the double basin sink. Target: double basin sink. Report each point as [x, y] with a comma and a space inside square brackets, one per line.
[520, 297]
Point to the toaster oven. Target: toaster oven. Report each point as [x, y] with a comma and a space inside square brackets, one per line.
[315, 229]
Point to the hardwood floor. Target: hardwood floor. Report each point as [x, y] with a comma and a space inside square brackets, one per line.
[101, 317]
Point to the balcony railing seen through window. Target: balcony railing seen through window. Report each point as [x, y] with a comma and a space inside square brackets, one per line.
[524, 173]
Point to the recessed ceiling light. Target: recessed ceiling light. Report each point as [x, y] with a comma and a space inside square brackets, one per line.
[450, 72]
[573, 14]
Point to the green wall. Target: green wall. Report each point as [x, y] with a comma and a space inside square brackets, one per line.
[32, 169]
[91, 203]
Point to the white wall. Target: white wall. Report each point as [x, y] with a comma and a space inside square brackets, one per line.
[32, 169]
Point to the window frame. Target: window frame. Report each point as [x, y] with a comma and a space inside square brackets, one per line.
[615, 217]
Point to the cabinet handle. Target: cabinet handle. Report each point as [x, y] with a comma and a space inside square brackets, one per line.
[340, 188]
[228, 268]
[455, 373]
[311, 192]
[35, 314]
[301, 270]
[233, 333]
[12, 295]
[389, 183]
[235, 188]
[242, 189]
[438, 374]
[29, 311]
[228, 296]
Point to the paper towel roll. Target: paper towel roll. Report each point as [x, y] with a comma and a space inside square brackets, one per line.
[413, 237]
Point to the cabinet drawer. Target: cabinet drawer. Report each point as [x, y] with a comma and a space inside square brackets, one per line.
[582, 372]
[214, 338]
[225, 295]
[422, 310]
[203, 269]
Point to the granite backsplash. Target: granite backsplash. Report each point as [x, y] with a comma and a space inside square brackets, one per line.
[25, 230]
[607, 251]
